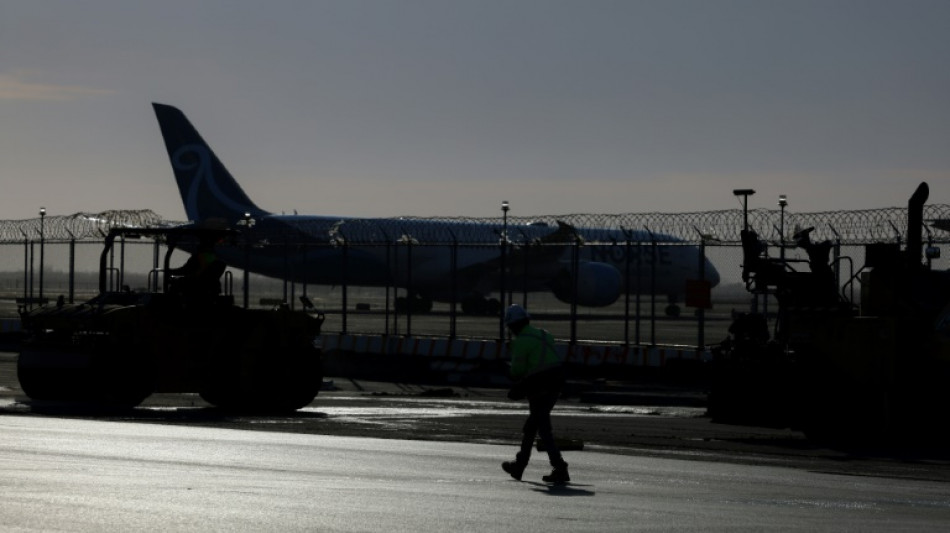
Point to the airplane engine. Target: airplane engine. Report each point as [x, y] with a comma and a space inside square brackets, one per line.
[598, 285]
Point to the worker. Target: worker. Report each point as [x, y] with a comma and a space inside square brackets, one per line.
[539, 377]
[200, 275]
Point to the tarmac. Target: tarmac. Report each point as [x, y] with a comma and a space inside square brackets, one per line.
[628, 418]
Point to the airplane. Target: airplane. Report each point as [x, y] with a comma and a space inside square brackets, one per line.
[392, 252]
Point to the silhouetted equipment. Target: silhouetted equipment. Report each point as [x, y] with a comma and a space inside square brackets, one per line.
[122, 346]
[869, 374]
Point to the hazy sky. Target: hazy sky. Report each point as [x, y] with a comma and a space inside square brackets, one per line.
[442, 107]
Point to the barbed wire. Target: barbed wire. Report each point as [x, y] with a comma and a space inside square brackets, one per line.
[78, 226]
[847, 227]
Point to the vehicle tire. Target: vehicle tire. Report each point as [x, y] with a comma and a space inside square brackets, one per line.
[42, 383]
[124, 391]
[298, 382]
[38, 384]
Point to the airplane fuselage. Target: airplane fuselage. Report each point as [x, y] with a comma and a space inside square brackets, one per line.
[324, 250]
[433, 260]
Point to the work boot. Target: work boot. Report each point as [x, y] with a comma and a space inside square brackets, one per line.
[514, 468]
[558, 476]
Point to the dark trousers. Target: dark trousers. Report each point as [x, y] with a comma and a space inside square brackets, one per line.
[539, 424]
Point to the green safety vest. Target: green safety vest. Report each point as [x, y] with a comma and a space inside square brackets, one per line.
[532, 351]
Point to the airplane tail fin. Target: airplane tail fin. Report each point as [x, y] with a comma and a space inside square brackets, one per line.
[208, 190]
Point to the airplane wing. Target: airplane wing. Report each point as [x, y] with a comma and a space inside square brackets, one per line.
[540, 256]
[548, 249]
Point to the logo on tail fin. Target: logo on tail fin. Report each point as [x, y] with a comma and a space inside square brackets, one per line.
[196, 160]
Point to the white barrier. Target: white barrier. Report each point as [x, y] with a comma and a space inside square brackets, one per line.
[489, 350]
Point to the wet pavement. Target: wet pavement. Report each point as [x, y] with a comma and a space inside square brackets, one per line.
[90, 475]
[675, 428]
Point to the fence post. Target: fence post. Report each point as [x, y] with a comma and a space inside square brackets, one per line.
[389, 284]
[344, 281]
[286, 268]
[303, 268]
[293, 280]
[637, 339]
[527, 262]
[42, 247]
[248, 222]
[626, 287]
[701, 334]
[32, 253]
[503, 271]
[26, 266]
[409, 286]
[121, 263]
[654, 249]
[453, 304]
[575, 268]
[72, 268]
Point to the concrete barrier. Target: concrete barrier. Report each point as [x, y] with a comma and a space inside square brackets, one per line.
[480, 350]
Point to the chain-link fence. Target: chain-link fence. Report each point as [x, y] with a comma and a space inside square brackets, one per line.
[51, 257]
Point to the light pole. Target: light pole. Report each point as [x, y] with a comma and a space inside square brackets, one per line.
[782, 202]
[745, 194]
[42, 239]
[504, 267]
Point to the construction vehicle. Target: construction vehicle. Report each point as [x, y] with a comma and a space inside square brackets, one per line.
[868, 373]
[180, 335]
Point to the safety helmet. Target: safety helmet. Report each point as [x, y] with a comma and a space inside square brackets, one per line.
[515, 313]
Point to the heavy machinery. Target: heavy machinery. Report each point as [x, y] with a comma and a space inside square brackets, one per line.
[868, 373]
[180, 335]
